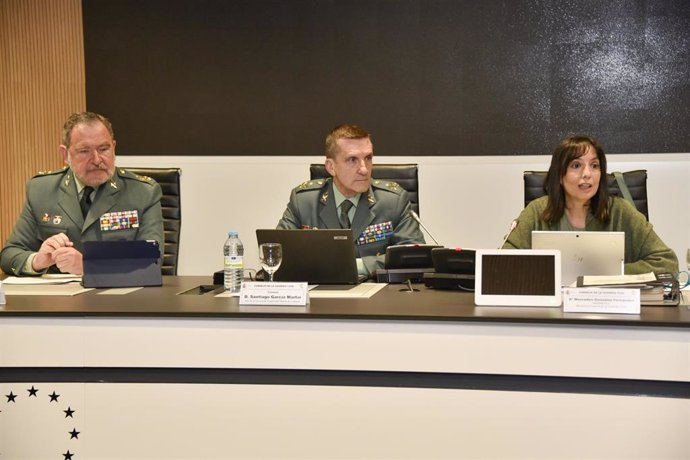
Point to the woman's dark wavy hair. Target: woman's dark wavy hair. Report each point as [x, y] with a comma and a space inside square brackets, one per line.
[568, 150]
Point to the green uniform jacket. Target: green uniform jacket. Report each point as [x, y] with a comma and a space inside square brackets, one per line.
[52, 207]
[644, 250]
[382, 217]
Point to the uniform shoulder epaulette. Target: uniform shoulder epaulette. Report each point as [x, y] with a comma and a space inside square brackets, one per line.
[52, 172]
[314, 184]
[389, 185]
[127, 174]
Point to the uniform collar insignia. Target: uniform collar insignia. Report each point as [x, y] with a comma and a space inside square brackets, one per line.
[113, 184]
[371, 198]
[324, 197]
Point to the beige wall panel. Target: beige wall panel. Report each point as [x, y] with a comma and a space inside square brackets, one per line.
[41, 82]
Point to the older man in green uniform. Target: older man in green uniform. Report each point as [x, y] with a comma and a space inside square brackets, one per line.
[86, 200]
[378, 212]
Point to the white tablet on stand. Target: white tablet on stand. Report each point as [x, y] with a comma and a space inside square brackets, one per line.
[518, 277]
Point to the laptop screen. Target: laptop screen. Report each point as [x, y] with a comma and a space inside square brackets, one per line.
[314, 256]
[584, 253]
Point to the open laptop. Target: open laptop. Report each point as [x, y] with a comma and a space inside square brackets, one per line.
[584, 253]
[314, 256]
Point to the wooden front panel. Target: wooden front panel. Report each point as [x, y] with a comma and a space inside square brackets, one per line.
[41, 83]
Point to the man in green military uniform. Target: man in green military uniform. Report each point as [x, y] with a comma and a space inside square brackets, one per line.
[377, 211]
[85, 201]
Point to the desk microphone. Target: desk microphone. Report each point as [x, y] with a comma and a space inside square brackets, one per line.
[513, 225]
[419, 221]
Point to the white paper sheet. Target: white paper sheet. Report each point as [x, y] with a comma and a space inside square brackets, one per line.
[361, 291]
[56, 278]
[119, 291]
[68, 289]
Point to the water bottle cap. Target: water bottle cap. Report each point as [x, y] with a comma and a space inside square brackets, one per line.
[232, 233]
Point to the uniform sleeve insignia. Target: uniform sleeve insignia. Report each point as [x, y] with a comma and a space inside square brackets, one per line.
[52, 171]
[311, 184]
[324, 197]
[130, 175]
[143, 178]
[389, 185]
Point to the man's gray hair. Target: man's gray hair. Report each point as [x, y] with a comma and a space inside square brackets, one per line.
[86, 118]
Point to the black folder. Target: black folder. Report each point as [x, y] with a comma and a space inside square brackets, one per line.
[112, 264]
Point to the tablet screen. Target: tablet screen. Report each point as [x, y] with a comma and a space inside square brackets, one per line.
[519, 277]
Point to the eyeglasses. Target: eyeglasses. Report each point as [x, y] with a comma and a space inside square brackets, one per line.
[101, 150]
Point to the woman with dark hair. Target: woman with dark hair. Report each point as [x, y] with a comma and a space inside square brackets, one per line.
[577, 198]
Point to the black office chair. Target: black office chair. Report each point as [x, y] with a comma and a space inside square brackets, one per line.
[406, 175]
[169, 180]
[636, 181]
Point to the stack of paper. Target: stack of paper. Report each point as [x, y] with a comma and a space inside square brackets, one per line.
[49, 278]
[652, 290]
[652, 295]
[616, 280]
[49, 284]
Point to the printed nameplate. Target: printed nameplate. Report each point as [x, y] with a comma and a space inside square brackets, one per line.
[266, 293]
[2, 294]
[601, 300]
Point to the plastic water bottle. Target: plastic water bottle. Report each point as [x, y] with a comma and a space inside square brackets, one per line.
[233, 266]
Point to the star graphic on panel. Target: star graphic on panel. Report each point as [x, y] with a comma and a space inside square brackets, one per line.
[32, 391]
[68, 455]
[54, 396]
[74, 434]
[68, 412]
[11, 397]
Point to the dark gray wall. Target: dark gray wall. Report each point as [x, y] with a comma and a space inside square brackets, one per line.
[464, 77]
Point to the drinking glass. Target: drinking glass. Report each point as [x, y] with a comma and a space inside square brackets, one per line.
[271, 256]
